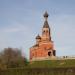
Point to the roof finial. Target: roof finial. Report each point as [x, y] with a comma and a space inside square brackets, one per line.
[46, 15]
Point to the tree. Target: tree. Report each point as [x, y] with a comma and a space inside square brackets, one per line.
[12, 58]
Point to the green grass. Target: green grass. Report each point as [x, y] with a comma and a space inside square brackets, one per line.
[48, 67]
[53, 64]
[38, 71]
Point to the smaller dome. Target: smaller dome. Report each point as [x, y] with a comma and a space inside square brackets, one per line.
[38, 37]
[46, 14]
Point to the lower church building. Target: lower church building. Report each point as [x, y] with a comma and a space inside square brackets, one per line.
[44, 47]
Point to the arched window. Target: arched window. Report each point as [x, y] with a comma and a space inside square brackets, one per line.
[54, 52]
[44, 32]
[49, 53]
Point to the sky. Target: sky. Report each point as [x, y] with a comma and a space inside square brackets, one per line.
[22, 20]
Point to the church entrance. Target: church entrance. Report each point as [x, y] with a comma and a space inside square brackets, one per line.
[49, 53]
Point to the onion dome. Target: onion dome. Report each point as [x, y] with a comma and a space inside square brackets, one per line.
[46, 14]
[46, 25]
[38, 37]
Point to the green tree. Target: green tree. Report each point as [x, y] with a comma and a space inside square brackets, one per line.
[12, 58]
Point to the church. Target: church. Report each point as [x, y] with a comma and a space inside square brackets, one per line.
[44, 47]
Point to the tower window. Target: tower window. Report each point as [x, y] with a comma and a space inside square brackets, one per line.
[44, 32]
[47, 31]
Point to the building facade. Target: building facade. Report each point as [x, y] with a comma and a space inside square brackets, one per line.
[44, 47]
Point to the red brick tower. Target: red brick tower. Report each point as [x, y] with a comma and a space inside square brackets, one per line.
[44, 47]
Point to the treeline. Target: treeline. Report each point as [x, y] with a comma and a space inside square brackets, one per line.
[12, 58]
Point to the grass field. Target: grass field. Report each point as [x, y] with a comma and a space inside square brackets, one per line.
[53, 63]
[49, 67]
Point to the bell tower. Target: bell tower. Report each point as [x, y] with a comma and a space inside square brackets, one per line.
[46, 29]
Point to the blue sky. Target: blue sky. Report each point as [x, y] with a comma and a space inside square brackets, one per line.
[22, 20]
